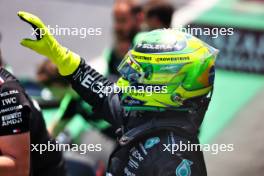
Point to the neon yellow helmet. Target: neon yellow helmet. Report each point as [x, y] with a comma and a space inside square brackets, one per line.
[164, 69]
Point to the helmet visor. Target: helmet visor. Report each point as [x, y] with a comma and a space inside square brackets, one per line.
[131, 70]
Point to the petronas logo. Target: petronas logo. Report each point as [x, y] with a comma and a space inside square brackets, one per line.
[184, 168]
[151, 142]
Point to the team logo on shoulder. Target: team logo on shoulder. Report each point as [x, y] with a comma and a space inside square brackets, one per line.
[151, 142]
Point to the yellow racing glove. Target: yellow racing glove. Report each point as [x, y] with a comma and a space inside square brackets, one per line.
[45, 44]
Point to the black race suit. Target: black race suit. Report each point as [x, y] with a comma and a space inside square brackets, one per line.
[18, 114]
[147, 138]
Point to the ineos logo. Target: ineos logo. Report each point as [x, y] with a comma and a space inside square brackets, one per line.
[96, 86]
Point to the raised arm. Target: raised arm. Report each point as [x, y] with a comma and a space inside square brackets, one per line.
[86, 81]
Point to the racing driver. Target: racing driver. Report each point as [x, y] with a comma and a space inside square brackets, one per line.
[159, 101]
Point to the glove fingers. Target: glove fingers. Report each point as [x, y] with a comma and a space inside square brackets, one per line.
[29, 43]
[31, 19]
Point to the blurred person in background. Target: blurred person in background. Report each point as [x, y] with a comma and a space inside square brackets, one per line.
[25, 128]
[47, 74]
[128, 17]
[49, 78]
[158, 14]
